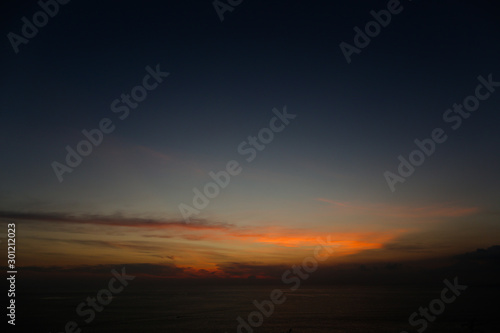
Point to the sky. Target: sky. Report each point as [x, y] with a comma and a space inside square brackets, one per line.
[213, 86]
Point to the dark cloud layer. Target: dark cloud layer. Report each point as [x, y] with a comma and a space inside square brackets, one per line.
[112, 220]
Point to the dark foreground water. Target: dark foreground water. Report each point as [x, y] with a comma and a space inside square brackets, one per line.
[215, 309]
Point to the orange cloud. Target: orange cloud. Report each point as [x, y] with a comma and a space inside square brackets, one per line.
[188, 242]
[345, 242]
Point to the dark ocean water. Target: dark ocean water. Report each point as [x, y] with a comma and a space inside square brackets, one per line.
[306, 310]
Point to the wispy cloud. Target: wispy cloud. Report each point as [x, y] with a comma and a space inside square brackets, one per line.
[210, 231]
[383, 210]
[114, 220]
[476, 265]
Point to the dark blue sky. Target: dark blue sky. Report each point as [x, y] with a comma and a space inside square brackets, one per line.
[353, 120]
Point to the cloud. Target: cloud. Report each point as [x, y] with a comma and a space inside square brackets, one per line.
[383, 210]
[407, 247]
[481, 267]
[489, 256]
[213, 231]
[132, 245]
[114, 220]
[345, 242]
[167, 270]
[246, 270]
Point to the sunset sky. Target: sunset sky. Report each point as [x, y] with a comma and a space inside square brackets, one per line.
[322, 175]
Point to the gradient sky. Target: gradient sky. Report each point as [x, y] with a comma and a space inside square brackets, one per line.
[322, 175]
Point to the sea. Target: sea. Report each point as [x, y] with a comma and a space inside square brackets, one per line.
[215, 309]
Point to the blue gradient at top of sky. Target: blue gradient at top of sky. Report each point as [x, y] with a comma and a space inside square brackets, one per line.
[225, 78]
